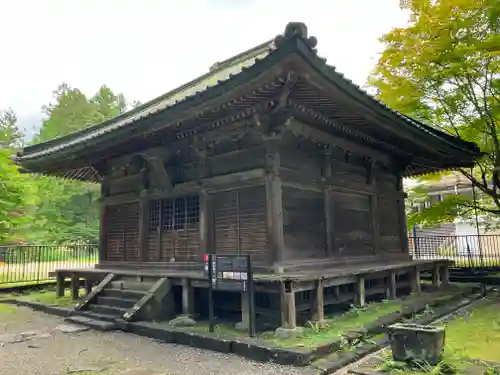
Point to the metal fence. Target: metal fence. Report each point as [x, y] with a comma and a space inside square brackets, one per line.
[32, 264]
[467, 251]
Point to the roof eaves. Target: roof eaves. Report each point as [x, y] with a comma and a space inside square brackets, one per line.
[143, 111]
[456, 142]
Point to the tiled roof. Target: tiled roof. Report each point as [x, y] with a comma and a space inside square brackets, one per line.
[224, 72]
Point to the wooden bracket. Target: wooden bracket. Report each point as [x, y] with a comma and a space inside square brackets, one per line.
[291, 80]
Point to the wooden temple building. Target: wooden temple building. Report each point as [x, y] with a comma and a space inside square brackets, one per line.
[271, 153]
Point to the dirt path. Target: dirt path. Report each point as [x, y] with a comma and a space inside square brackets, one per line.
[48, 351]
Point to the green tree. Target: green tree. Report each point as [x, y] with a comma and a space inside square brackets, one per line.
[67, 211]
[16, 192]
[10, 135]
[107, 103]
[444, 69]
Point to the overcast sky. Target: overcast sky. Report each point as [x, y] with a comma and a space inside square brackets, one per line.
[145, 48]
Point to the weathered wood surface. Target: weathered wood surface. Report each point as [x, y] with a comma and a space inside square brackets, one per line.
[280, 198]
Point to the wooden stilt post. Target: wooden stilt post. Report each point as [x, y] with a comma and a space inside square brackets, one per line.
[436, 276]
[88, 286]
[187, 297]
[283, 306]
[336, 292]
[60, 285]
[360, 294]
[391, 287]
[290, 312]
[319, 313]
[75, 286]
[444, 274]
[415, 280]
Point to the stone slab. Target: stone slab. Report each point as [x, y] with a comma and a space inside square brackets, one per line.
[96, 324]
[71, 328]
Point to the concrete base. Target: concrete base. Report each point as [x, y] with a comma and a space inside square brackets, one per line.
[287, 333]
[241, 326]
[183, 321]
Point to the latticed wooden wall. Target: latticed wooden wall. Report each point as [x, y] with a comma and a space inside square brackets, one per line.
[390, 234]
[174, 230]
[240, 223]
[352, 224]
[122, 232]
[304, 223]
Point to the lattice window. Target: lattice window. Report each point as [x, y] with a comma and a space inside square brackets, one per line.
[174, 214]
[154, 215]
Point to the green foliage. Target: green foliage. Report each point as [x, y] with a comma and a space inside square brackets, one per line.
[53, 210]
[10, 135]
[444, 70]
[15, 193]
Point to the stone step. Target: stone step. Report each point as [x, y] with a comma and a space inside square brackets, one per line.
[94, 315]
[123, 294]
[97, 324]
[124, 303]
[131, 285]
[116, 312]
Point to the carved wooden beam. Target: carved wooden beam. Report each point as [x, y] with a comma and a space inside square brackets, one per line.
[201, 148]
[301, 130]
[291, 79]
[156, 166]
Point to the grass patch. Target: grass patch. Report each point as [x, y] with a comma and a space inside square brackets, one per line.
[47, 297]
[6, 309]
[26, 283]
[477, 334]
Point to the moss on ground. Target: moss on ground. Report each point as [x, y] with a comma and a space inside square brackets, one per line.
[6, 309]
[46, 296]
[335, 326]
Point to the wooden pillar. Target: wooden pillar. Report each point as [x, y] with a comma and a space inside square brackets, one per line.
[319, 308]
[331, 248]
[374, 211]
[436, 281]
[143, 229]
[444, 274]
[336, 292]
[330, 223]
[207, 245]
[415, 280]
[403, 233]
[75, 287]
[60, 287]
[187, 297]
[274, 203]
[360, 291]
[391, 287]
[288, 313]
[88, 286]
[102, 233]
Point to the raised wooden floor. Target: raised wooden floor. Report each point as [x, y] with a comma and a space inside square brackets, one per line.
[288, 297]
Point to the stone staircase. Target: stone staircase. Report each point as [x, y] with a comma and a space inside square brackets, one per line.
[117, 300]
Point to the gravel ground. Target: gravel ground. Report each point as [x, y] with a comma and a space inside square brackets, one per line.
[51, 352]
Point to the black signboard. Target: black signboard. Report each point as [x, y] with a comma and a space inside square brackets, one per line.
[231, 273]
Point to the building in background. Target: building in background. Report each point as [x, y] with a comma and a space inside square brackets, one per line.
[459, 236]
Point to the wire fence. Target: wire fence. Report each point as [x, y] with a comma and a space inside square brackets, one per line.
[466, 251]
[28, 264]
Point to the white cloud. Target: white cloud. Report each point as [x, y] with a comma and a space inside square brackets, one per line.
[145, 48]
